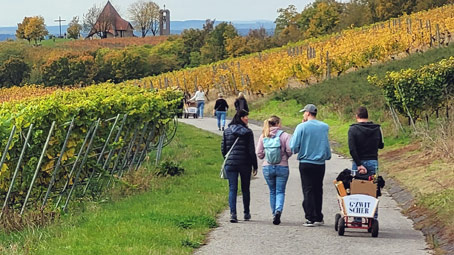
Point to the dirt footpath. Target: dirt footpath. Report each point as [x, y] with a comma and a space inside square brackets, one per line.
[260, 236]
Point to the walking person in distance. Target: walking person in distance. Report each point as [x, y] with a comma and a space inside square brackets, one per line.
[199, 97]
[220, 111]
[242, 161]
[274, 147]
[241, 103]
[310, 141]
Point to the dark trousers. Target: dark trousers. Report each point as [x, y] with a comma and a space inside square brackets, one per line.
[312, 183]
[245, 175]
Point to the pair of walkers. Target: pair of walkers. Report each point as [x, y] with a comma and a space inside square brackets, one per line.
[310, 142]
[221, 107]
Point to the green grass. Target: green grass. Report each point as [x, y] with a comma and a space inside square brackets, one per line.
[172, 218]
[53, 43]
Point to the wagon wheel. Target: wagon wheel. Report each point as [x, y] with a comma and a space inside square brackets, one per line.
[336, 221]
[170, 130]
[341, 226]
[375, 228]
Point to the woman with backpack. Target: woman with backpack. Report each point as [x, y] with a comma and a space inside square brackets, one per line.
[241, 161]
[274, 147]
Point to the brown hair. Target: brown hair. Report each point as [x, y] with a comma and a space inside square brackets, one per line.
[362, 113]
[272, 121]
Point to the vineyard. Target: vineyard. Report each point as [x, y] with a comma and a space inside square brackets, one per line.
[73, 143]
[22, 93]
[316, 59]
[421, 92]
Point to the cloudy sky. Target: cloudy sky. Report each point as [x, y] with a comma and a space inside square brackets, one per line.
[13, 11]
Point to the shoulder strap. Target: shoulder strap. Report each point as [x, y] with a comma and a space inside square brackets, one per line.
[231, 148]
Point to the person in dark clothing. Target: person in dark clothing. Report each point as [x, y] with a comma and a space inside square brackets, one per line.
[220, 111]
[364, 140]
[241, 103]
[242, 159]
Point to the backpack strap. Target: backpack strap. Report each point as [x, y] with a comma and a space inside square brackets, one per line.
[279, 133]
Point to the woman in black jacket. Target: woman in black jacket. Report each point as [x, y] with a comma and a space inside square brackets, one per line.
[241, 103]
[241, 161]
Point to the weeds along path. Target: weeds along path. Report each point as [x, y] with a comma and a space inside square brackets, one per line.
[260, 236]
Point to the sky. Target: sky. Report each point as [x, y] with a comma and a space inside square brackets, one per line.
[13, 11]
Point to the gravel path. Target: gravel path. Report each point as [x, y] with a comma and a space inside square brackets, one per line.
[260, 236]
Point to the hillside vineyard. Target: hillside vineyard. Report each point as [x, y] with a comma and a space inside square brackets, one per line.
[316, 59]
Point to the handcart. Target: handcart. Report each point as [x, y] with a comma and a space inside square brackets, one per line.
[190, 109]
[360, 203]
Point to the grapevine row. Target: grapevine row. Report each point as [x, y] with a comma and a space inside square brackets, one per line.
[316, 59]
[419, 92]
[97, 129]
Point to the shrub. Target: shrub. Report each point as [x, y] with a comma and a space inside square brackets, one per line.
[169, 168]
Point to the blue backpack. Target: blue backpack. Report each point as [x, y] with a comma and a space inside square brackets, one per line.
[272, 147]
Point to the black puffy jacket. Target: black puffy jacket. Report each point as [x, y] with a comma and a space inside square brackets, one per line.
[243, 154]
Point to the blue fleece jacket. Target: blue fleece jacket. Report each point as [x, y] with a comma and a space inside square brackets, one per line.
[310, 141]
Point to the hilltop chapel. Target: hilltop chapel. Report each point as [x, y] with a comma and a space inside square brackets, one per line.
[111, 25]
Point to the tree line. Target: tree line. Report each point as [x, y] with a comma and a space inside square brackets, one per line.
[329, 16]
[194, 47]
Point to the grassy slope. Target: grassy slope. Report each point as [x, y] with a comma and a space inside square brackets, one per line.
[425, 173]
[339, 97]
[172, 218]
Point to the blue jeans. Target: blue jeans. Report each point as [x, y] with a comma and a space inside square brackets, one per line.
[245, 175]
[200, 106]
[276, 177]
[220, 116]
[372, 166]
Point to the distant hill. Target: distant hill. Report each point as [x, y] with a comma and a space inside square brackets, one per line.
[176, 27]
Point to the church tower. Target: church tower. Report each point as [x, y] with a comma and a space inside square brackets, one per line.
[164, 22]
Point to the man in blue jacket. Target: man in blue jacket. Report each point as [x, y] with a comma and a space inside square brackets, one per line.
[311, 142]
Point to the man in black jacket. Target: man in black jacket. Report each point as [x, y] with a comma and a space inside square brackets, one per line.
[364, 140]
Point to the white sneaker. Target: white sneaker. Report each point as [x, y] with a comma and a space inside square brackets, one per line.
[309, 224]
[319, 223]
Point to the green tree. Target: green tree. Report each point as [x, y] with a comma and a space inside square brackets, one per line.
[214, 48]
[319, 18]
[386, 9]
[357, 13]
[74, 28]
[20, 32]
[285, 18]
[145, 16]
[193, 40]
[13, 72]
[35, 29]
[56, 72]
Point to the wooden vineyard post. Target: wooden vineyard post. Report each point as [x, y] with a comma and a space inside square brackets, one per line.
[184, 83]
[437, 27]
[328, 66]
[234, 84]
[195, 83]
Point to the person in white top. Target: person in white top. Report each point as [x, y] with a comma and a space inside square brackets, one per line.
[200, 98]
